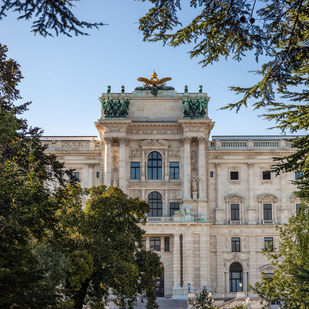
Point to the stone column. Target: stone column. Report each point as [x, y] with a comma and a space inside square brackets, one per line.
[204, 260]
[143, 166]
[220, 271]
[166, 165]
[108, 161]
[251, 208]
[187, 169]
[91, 174]
[227, 281]
[122, 164]
[219, 209]
[176, 261]
[201, 167]
[284, 212]
[189, 259]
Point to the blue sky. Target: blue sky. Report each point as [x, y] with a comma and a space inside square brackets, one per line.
[64, 77]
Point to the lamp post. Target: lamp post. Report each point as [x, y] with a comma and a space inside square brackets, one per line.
[240, 286]
[189, 286]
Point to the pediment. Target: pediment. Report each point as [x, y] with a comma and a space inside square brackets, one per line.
[234, 197]
[154, 144]
[268, 268]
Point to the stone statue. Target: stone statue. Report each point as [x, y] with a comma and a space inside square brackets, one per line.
[186, 106]
[200, 89]
[186, 89]
[115, 182]
[115, 108]
[194, 108]
[184, 212]
[195, 184]
[122, 89]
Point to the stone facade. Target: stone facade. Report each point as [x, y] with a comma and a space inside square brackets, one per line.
[235, 203]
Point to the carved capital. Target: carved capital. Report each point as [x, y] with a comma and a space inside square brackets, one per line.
[250, 164]
[127, 141]
[108, 140]
[122, 140]
[91, 165]
[217, 164]
[186, 139]
[201, 139]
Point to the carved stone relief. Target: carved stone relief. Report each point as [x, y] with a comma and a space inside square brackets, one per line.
[194, 129]
[194, 162]
[140, 131]
[115, 160]
[115, 129]
[135, 192]
[174, 153]
[174, 193]
[135, 153]
[245, 243]
[226, 243]
[236, 258]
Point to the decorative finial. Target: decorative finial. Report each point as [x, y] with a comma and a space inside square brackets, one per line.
[186, 89]
[200, 89]
[122, 89]
[108, 89]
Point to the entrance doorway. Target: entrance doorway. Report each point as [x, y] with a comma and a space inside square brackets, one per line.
[159, 284]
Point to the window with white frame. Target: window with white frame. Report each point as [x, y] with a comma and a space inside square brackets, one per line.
[234, 175]
[267, 208]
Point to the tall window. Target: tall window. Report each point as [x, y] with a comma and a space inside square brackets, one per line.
[235, 244]
[155, 203]
[135, 170]
[235, 277]
[298, 174]
[173, 207]
[268, 243]
[234, 211]
[155, 243]
[297, 207]
[154, 166]
[76, 174]
[174, 170]
[267, 211]
[166, 243]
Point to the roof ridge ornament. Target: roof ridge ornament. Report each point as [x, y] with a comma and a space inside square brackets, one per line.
[154, 84]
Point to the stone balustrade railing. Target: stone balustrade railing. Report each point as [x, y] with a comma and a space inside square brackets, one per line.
[249, 145]
[74, 145]
[175, 219]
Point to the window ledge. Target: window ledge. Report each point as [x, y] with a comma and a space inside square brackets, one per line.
[268, 221]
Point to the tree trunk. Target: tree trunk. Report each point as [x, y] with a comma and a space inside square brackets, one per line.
[80, 295]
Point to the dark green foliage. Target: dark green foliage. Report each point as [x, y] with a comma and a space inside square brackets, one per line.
[53, 15]
[202, 301]
[290, 281]
[104, 244]
[27, 213]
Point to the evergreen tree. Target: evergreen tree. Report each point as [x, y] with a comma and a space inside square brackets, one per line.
[49, 16]
[290, 281]
[202, 301]
[27, 213]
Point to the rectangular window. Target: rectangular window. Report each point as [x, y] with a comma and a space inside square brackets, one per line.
[267, 211]
[211, 174]
[297, 206]
[155, 243]
[98, 174]
[234, 176]
[298, 174]
[173, 207]
[235, 244]
[166, 244]
[174, 170]
[135, 170]
[266, 175]
[268, 243]
[76, 174]
[144, 243]
[234, 211]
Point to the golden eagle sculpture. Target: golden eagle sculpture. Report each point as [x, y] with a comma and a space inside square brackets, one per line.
[154, 81]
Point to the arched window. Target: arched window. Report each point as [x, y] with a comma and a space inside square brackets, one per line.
[155, 165]
[236, 277]
[155, 202]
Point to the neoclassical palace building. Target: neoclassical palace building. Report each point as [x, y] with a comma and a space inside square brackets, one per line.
[213, 204]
